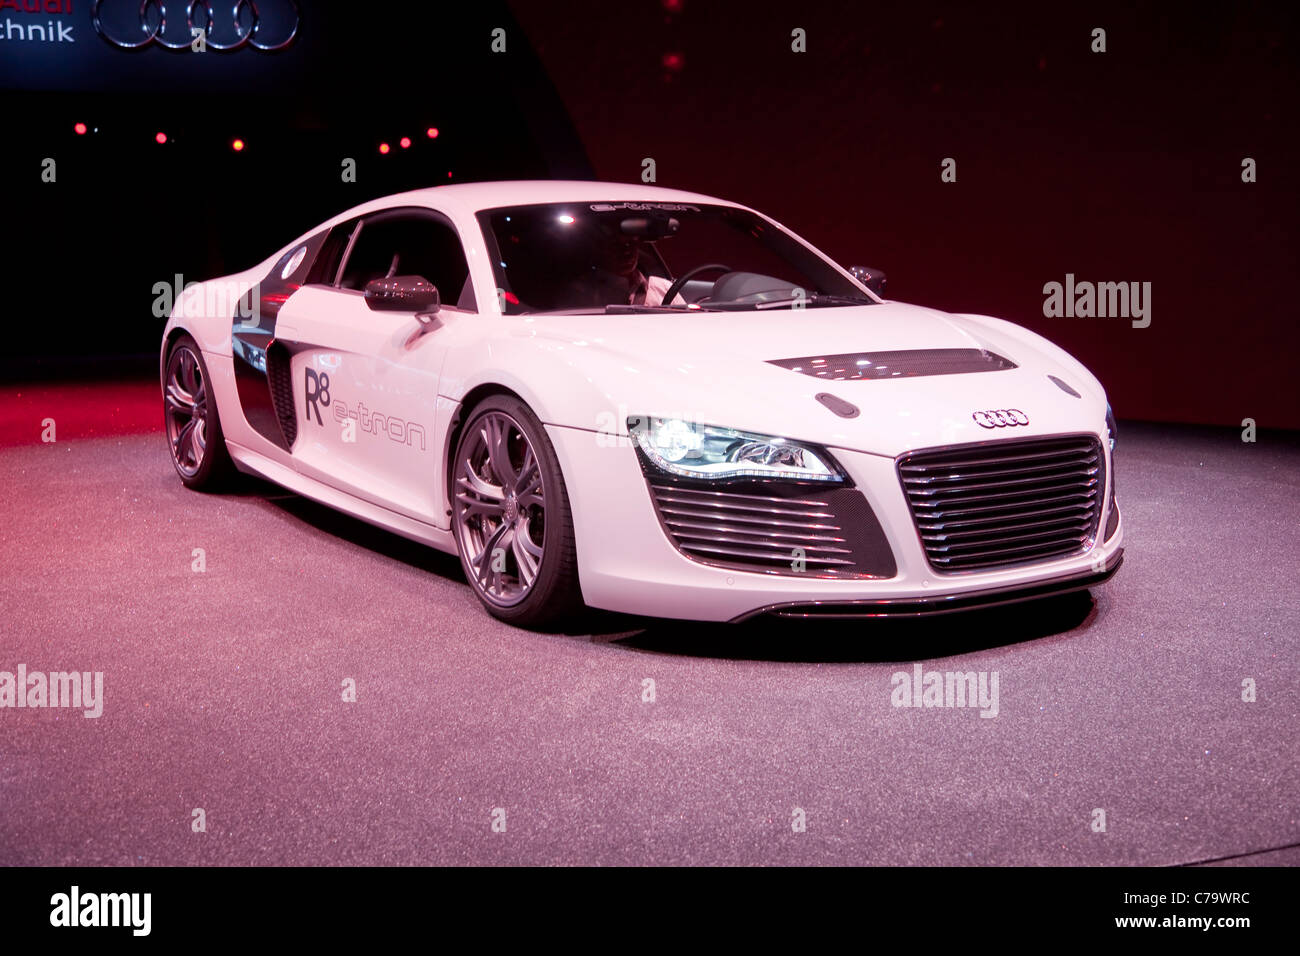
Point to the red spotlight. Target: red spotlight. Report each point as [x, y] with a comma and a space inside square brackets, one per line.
[237, 145]
[431, 132]
[80, 129]
[404, 142]
[160, 138]
[383, 148]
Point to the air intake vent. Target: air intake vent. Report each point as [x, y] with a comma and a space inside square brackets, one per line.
[836, 532]
[1003, 503]
[913, 363]
[1064, 386]
[281, 385]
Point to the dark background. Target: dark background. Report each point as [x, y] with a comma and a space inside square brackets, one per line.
[1115, 166]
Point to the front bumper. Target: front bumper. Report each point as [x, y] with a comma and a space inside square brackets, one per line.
[943, 603]
[627, 563]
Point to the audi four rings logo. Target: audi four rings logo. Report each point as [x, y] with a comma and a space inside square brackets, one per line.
[134, 24]
[1000, 418]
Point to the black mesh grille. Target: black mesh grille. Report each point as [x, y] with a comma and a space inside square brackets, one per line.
[911, 363]
[835, 531]
[281, 385]
[1001, 503]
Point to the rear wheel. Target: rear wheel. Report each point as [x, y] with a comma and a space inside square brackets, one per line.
[510, 512]
[194, 436]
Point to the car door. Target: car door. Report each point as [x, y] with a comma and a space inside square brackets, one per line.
[365, 381]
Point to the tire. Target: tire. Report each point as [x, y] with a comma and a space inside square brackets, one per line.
[514, 533]
[194, 438]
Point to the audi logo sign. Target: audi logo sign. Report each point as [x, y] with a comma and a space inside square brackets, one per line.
[1000, 418]
[134, 24]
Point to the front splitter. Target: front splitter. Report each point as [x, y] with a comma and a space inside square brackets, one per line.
[944, 604]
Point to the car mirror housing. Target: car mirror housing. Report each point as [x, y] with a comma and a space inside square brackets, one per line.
[873, 279]
[403, 294]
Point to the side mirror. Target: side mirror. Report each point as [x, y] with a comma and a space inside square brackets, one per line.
[873, 279]
[404, 294]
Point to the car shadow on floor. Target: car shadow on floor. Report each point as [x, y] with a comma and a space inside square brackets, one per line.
[350, 529]
[872, 640]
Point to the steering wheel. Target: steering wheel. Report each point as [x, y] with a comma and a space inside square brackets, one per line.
[680, 282]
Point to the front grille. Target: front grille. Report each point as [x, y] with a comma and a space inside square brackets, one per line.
[836, 531]
[281, 385]
[1002, 503]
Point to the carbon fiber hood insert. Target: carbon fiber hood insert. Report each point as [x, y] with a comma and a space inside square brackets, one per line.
[909, 363]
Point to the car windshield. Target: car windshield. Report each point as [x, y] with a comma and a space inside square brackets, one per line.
[653, 257]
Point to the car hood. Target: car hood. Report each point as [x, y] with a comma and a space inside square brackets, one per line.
[717, 368]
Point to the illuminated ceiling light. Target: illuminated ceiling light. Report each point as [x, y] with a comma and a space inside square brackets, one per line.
[160, 138]
[80, 129]
[383, 148]
[431, 132]
[237, 145]
[566, 219]
[404, 142]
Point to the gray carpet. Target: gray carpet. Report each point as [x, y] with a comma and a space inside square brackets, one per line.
[222, 691]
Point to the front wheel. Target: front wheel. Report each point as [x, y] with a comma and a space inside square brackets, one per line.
[511, 516]
[190, 415]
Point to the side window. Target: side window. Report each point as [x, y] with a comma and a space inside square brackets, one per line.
[292, 266]
[410, 244]
[326, 266]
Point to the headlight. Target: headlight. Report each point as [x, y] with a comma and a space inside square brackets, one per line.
[708, 451]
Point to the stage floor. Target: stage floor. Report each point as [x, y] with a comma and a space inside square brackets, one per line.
[223, 690]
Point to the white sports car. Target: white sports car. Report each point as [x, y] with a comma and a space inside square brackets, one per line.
[649, 401]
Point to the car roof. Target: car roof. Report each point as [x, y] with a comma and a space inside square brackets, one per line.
[472, 197]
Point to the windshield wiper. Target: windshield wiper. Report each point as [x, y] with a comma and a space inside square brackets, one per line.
[620, 309]
[814, 298]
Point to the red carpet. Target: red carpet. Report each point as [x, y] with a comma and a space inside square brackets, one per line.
[78, 410]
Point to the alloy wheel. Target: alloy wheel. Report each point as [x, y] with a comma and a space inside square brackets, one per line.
[500, 508]
[186, 401]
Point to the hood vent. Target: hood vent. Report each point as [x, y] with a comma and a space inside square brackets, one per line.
[912, 363]
[1064, 387]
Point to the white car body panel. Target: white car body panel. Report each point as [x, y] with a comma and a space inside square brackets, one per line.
[583, 375]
